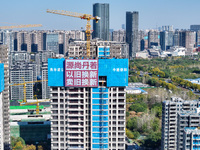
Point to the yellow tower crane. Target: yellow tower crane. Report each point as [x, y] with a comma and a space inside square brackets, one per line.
[37, 104]
[82, 16]
[20, 26]
[24, 91]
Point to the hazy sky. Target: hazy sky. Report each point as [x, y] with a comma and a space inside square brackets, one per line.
[152, 13]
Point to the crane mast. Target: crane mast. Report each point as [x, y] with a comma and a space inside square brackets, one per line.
[82, 16]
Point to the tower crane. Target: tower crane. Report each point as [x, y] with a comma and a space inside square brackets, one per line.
[37, 104]
[24, 88]
[82, 16]
[20, 26]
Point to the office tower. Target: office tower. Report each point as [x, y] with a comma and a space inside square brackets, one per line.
[195, 28]
[28, 72]
[153, 38]
[186, 119]
[166, 39]
[52, 42]
[88, 115]
[132, 24]
[170, 110]
[191, 138]
[101, 29]
[5, 97]
[119, 36]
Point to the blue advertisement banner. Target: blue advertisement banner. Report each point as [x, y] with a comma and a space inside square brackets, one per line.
[56, 72]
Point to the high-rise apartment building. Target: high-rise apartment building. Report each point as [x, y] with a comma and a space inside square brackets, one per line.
[88, 106]
[45, 87]
[170, 110]
[132, 24]
[5, 98]
[190, 40]
[114, 49]
[191, 137]
[101, 29]
[7, 38]
[186, 119]
[1, 105]
[18, 71]
[153, 38]
[119, 36]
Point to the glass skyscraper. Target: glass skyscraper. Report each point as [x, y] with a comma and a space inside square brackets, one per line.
[101, 29]
[52, 42]
[132, 32]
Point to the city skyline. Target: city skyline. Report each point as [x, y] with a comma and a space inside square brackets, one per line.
[152, 13]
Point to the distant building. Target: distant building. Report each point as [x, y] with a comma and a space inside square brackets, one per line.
[29, 73]
[195, 27]
[142, 54]
[166, 39]
[198, 38]
[119, 36]
[101, 29]
[190, 40]
[153, 38]
[52, 42]
[132, 23]
[167, 28]
[112, 49]
[175, 51]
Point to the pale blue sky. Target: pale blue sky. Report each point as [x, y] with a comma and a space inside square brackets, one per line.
[152, 13]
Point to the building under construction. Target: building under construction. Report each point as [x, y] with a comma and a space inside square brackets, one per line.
[88, 103]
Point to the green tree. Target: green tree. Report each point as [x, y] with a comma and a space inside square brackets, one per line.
[136, 134]
[129, 134]
[138, 107]
[18, 146]
[132, 123]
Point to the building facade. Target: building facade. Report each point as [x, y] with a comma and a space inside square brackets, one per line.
[5, 98]
[132, 23]
[191, 138]
[170, 130]
[101, 29]
[93, 116]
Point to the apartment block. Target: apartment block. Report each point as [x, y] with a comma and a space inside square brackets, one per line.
[98, 48]
[88, 112]
[19, 71]
[5, 97]
[191, 138]
[186, 119]
[170, 127]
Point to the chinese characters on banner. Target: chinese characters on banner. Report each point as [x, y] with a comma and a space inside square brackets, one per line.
[81, 73]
